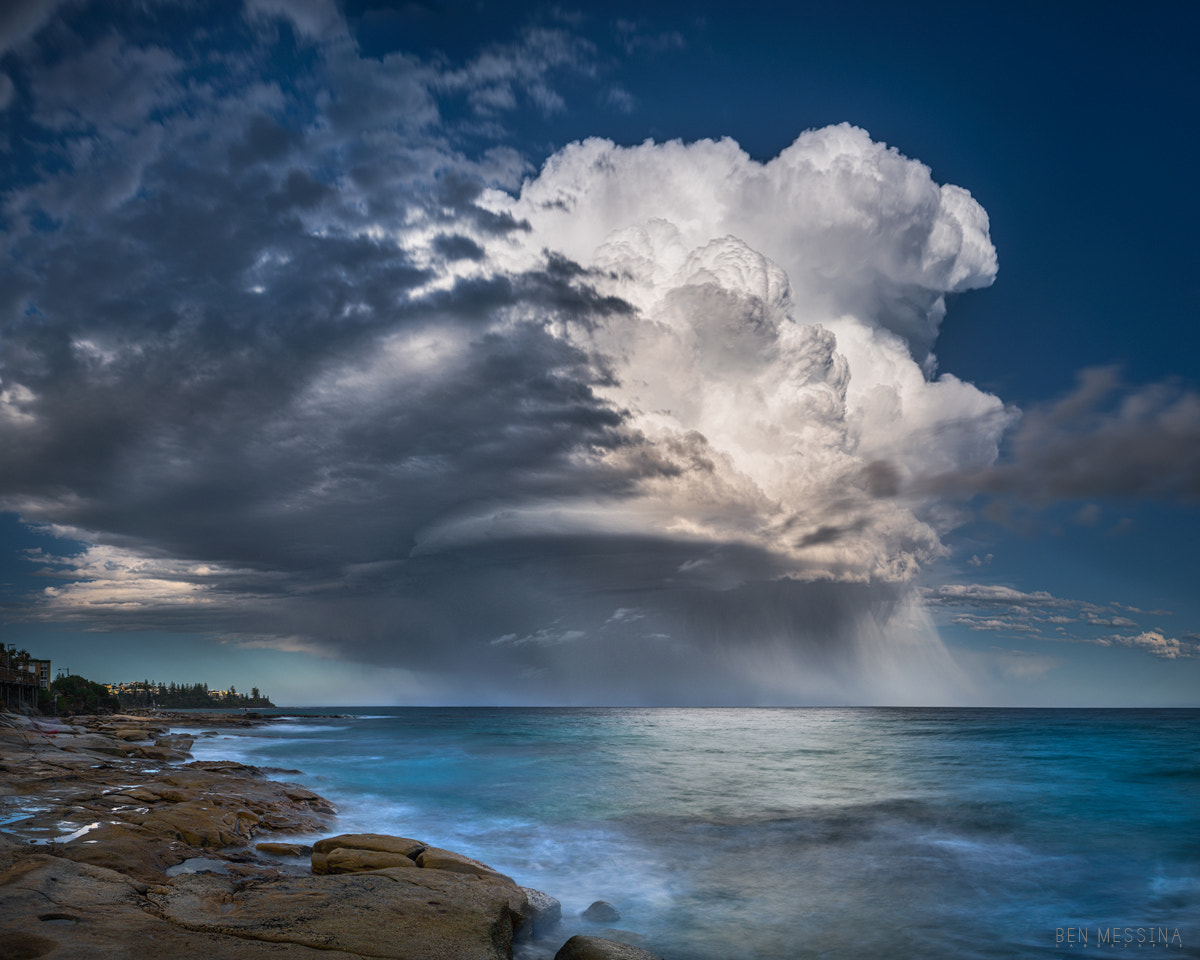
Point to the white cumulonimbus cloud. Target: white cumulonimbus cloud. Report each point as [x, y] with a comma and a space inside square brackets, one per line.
[777, 380]
[654, 425]
[776, 367]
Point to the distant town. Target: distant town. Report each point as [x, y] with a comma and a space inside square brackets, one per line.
[144, 693]
[25, 683]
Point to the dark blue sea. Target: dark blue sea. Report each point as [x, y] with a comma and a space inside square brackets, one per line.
[839, 834]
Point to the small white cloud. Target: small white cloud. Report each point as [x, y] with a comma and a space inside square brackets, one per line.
[311, 19]
[626, 615]
[620, 99]
[1153, 641]
[547, 637]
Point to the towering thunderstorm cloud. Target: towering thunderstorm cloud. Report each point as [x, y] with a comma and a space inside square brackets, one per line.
[300, 372]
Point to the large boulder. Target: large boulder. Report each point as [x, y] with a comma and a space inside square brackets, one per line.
[544, 912]
[341, 860]
[161, 752]
[598, 948]
[601, 911]
[359, 852]
[435, 858]
[133, 850]
[399, 913]
[382, 842]
[91, 743]
[201, 823]
[54, 908]
[277, 849]
[126, 733]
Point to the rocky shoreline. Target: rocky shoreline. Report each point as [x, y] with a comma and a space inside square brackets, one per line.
[114, 844]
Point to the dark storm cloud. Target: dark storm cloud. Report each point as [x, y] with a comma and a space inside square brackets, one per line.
[21, 19]
[198, 437]
[177, 292]
[457, 247]
[280, 350]
[1103, 439]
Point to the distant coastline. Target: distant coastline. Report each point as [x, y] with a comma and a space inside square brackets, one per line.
[146, 694]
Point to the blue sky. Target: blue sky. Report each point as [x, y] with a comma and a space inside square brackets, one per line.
[685, 353]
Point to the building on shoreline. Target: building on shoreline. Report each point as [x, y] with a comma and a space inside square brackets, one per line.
[21, 677]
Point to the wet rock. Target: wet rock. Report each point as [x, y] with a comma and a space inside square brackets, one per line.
[91, 743]
[101, 814]
[132, 850]
[202, 823]
[598, 948]
[155, 751]
[545, 912]
[284, 849]
[200, 865]
[55, 908]
[399, 913]
[435, 858]
[341, 860]
[381, 842]
[128, 733]
[116, 810]
[601, 912]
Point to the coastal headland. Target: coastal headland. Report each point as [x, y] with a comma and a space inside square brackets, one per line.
[115, 845]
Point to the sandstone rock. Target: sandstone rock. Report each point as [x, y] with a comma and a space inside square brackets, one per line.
[544, 911]
[132, 850]
[179, 741]
[601, 912]
[154, 751]
[399, 913]
[435, 858]
[300, 794]
[382, 842]
[284, 849]
[341, 860]
[108, 810]
[91, 743]
[127, 733]
[54, 908]
[597, 948]
[201, 823]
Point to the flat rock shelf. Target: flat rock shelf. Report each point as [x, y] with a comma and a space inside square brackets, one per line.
[115, 846]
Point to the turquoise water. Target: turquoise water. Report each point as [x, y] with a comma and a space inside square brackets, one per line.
[795, 833]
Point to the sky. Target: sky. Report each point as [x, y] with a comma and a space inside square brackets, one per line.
[669, 353]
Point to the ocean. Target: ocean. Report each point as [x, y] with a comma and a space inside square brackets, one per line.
[757, 834]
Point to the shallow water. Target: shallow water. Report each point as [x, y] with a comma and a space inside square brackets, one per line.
[794, 833]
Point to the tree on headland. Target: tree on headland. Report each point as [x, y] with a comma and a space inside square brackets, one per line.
[73, 694]
[176, 696]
